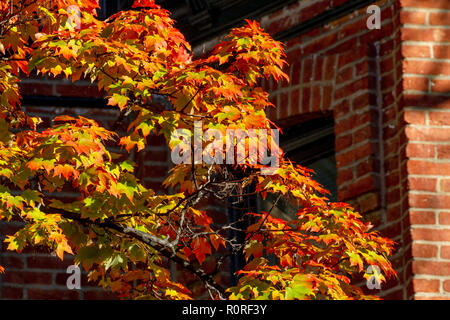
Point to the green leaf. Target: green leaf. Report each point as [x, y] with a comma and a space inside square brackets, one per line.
[5, 135]
[116, 261]
[119, 100]
[31, 197]
[127, 166]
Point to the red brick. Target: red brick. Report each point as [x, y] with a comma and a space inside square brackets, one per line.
[413, 17]
[394, 147]
[351, 29]
[391, 164]
[343, 47]
[357, 188]
[284, 105]
[425, 285]
[388, 101]
[422, 217]
[440, 119]
[427, 67]
[160, 156]
[27, 277]
[446, 285]
[438, 4]
[274, 84]
[425, 100]
[48, 263]
[327, 97]
[393, 196]
[393, 213]
[70, 90]
[316, 98]
[361, 68]
[424, 250]
[11, 293]
[429, 34]
[441, 51]
[353, 87]
[36, 89]
[419, 297]
[10, 262]
[415, 83]
[387, 63]
[346, 124]
[422, 184]
[445, 252]
[426, 167]
[42, 294]
[344, 175]
[429, 201]
[330, 63]
[443, 151]
[440, 18]
[416, 150]
[351, 56]
[292, 55]
[431, 268]
[395, 295]
[440, 85]
[341, 109]
[354, 155]
[365, 167]
[156, 186]
[320, 44]
[393, 230]
[428, 134]
[307, 70]
[415, 117]
[445, 185]
[306, 98]
[368, 202]
[444, 218]
[318, 68]
[344, 75]
[295, 102]
[314, 9]
[296, 70]
[430, 234]
[392, 179]
[155, 171]
[276, 26]
[364, 100]
[157, 140]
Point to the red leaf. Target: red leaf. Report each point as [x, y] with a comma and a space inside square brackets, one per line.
[201, 248]
[145, 4]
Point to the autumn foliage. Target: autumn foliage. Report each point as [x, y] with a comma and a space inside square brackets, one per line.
[124, 233]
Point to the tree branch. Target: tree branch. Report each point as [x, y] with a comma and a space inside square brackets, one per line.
[164, 247]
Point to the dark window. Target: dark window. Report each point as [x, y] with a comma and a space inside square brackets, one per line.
[310, 144]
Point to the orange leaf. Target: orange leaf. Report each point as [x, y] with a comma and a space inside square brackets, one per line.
[201, 248]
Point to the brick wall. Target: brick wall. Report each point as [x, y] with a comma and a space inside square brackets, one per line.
[389, 92]
[426, 82]
[356, 73]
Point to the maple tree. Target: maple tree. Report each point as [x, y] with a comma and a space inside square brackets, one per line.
[125, 233]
